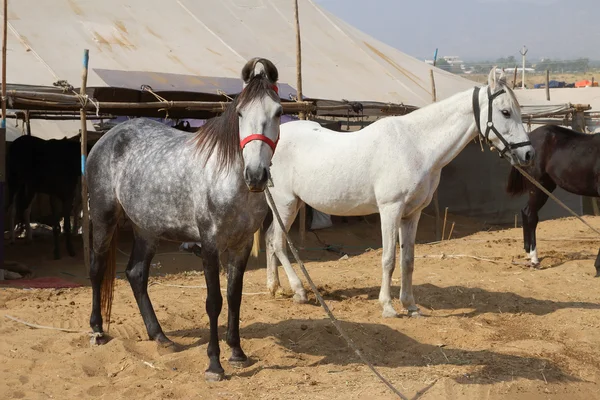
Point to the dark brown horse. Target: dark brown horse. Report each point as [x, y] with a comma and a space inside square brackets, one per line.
[564, 158]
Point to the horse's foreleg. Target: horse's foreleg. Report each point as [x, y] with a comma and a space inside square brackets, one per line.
[537, 199]
[276, 245]
[389, 234]
[214, 304]
[408, 233]
[530, 221]
[138, 269]
[597, 265]
[235, 283]
[273, 283]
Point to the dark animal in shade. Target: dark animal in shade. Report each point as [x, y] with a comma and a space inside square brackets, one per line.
[564, 158]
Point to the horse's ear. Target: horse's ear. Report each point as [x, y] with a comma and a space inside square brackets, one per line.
[502, 78]
[260, 66]
[493, 79]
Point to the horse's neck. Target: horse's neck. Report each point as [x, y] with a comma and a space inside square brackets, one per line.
[444, 129]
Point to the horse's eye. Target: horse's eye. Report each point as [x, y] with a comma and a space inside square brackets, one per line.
[506, 113]
[279, 113]
[239, 114]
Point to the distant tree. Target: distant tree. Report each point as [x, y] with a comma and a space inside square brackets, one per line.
[443, 64]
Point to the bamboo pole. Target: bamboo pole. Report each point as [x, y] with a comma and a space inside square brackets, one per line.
[548, 84]
[301, 115]
[515, 78]
[84, 142]
[436, 201]
[451, 230]
[444, 226]
[3, 131]
[28, 122]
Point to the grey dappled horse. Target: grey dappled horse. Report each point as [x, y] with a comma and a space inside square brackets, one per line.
[201, 187]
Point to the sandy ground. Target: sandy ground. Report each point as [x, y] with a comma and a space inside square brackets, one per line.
[491, 329]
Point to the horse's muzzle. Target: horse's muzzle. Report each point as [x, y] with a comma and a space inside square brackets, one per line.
[256, 180]
[523, 157]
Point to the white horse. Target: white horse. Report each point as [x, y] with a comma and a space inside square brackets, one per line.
[392, 167]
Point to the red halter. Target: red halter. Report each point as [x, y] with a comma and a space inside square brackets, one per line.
[260, 137]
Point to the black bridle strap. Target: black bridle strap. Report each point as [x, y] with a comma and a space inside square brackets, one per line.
[490, 124]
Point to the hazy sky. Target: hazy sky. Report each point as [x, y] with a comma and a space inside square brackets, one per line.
[478, 29]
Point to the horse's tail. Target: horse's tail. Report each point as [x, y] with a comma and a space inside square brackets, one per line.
[256, 243]
[108, 281]
[516, 182]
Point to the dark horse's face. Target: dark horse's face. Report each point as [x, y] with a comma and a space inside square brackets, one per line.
[259, 120]
[506, 117]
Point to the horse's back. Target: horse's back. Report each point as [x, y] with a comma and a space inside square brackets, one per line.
[570, 158]
[352, 167]
[143, 167]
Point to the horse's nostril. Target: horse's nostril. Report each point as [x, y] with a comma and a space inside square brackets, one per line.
[528, 156]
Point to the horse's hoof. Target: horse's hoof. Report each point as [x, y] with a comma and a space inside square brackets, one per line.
[214, 376]
[238, 362]
[389, 312]
[99, 339]
[273, 289]
[166, 346]
[414, 313]
[597, 274]
[300, 298]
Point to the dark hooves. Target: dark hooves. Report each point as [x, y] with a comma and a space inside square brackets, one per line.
[166, 346]
[239, 362]
[99, 339]
[211, 376]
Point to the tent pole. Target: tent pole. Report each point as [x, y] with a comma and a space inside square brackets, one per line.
[84, 191]
[3, 132]
[436, 202]
[301, 115]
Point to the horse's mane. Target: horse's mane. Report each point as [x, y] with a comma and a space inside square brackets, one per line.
[221, 133]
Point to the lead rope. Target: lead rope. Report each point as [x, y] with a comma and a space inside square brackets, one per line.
[334, 321]
[553, 197]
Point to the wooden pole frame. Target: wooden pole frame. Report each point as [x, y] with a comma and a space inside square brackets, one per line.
[40, 102]
[84, 142]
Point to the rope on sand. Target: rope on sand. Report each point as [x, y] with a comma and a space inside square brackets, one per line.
[29, 324]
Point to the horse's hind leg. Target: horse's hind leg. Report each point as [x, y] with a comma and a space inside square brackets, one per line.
[276, 246]
[536, 201]
[235, 282]
[138, 269]
[105, 224]
[67, 205]
[56, 214]
[12, 213]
